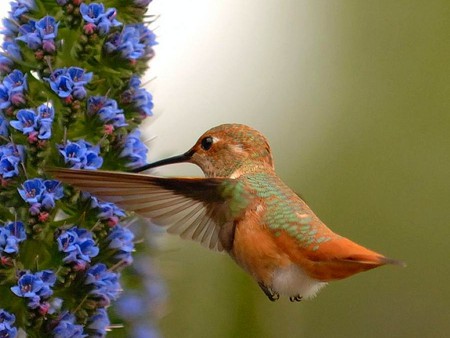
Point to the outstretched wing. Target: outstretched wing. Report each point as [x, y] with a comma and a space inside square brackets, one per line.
[194, 208]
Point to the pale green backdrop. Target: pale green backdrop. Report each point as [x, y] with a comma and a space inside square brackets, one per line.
[355, 99]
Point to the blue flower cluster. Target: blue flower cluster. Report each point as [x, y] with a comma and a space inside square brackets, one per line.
[6, 324]
[121, 240]
[40, 34]
[37, 125]
[11, 49]
[134, 150]
[21, 7]
[41, 195]
[13, 89]
[78, 246]
[11, 235]
[97, 19]
[108, 212]
[37, 288]
[106, 110]
[68, 83]
[134, 42]
[98, 323]
[67, 328]
[81, 155]
[10, 157]
[139, 97]
[135, 305]
[104, 283]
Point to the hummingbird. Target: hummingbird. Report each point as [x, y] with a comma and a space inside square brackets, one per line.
[240, 207]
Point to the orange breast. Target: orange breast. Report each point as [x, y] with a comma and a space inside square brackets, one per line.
[255, 250]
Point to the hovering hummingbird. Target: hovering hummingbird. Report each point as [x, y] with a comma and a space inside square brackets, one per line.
[241, 207]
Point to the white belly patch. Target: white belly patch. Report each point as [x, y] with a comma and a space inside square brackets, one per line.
[292, 281]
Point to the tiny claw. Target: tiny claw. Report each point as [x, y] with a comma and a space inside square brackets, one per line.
[297, 298]
[272, 295]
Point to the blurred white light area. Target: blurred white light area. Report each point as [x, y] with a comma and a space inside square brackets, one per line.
[229, 61]
[225, 62]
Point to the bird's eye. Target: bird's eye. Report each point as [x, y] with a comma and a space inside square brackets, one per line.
[207, 142]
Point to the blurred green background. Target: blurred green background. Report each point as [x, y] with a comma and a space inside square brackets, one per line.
[355, 99]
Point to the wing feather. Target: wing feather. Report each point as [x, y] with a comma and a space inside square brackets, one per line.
[193, 208]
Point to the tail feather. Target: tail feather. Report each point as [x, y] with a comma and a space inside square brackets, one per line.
[372, 258]
[387, 260]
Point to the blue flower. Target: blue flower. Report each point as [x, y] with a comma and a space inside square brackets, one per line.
[29, 35]
[139, 97]
[16, 79]
[78, 245]
[6, 324]
[9, 166]
[69, 82]
[104, 283]
[81, 155]
[17, 230]
[12, 50]
[74, 153]
[49, 279]
[40, 34]
[107, 110]
[5, 100]
[45, 130]
[79, 76]
[144, 101]
[108, 211]
[32, 190]
[10, 157]
[62, 85]
[36, 287]
[67, 328]
[135, 41]
[53, 191]
[5, 64]
[47, 27]
[11, 235]
[121, 239]
[10, 28]
[20, 7]
[28, 286]
[97, 19]
[92, 13]
[99, 323]
[93, 160]
[41, 194]
[46, 111]
[26, 121]
[134, 150]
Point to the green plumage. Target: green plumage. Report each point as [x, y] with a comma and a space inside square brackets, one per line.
[282, 210]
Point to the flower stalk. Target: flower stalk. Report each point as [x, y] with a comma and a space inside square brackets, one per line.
[70, 95]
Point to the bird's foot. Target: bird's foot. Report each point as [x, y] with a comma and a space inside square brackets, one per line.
[295, 298]
[272, 295]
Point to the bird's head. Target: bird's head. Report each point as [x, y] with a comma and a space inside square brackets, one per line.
[227, 150]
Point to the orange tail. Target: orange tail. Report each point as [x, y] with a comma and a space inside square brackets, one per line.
[341, 258]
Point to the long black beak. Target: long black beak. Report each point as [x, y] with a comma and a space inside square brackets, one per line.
[171, 160]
